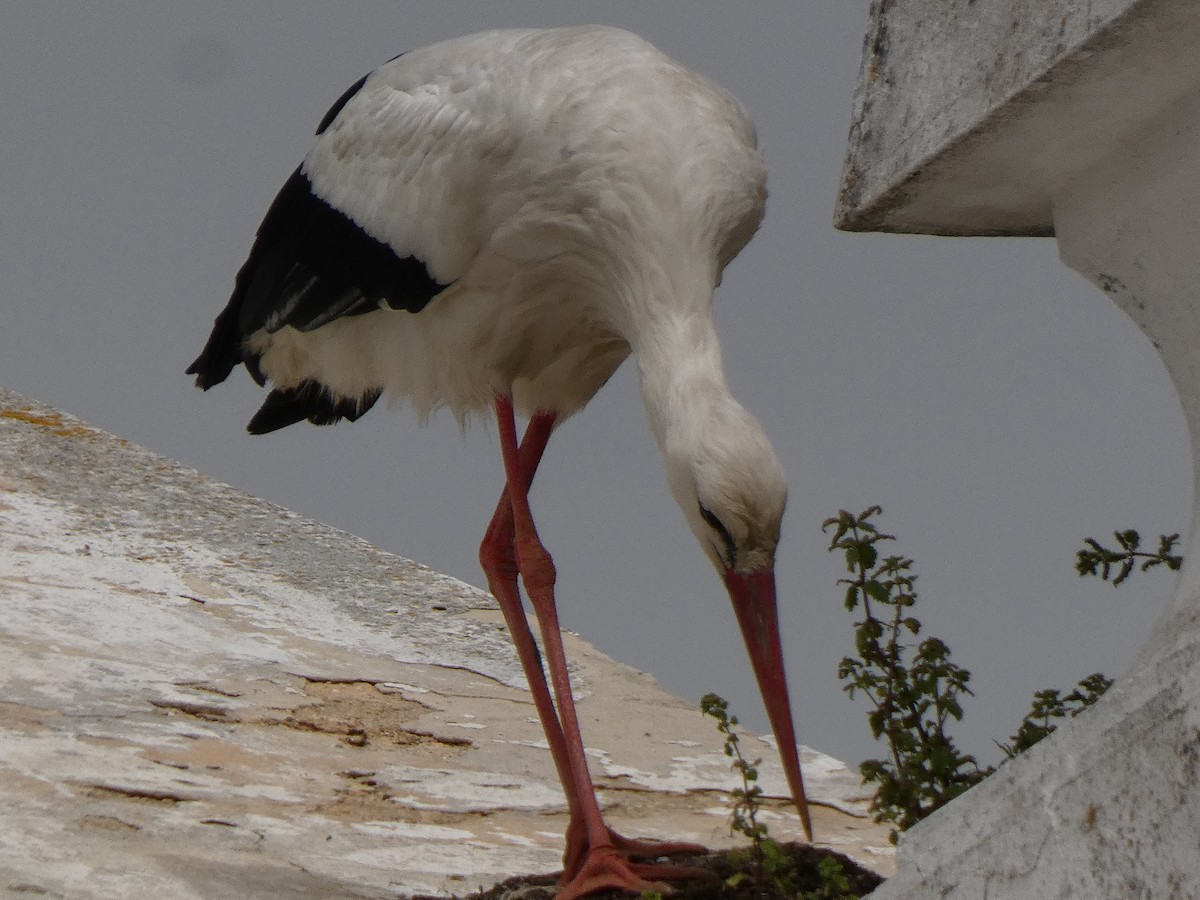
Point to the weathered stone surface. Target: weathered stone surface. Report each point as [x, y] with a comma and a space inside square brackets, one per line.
[975, 119]
[968, 117]
[206, 696]
[1104, 808]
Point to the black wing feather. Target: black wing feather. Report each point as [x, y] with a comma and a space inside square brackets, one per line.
[310, 264]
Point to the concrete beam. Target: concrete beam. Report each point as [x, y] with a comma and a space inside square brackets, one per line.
[1081, 120]
[968, 117]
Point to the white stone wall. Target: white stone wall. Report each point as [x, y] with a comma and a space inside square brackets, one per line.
[974, 118]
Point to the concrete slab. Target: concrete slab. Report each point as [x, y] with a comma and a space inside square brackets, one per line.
[203, 695]
[969, 117]
[1081, 120]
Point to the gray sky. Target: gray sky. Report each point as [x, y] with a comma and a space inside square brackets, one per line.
[996, 405]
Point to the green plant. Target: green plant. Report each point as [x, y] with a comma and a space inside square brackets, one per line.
[1048, 705]
[914, 688]
[834, 883]
[744, 817]
[1095, 559]
[766, 863]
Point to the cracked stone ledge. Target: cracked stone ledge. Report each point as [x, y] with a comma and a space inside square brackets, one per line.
[206, 696]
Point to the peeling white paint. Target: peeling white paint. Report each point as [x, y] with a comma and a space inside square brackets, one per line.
[460, 791]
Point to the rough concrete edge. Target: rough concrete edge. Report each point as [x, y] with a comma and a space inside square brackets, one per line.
[1052, 789]
[856, 213]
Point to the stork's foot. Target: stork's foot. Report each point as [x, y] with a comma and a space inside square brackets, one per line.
[627, 848]
[623, 863]
[606, 869]
[632, 848]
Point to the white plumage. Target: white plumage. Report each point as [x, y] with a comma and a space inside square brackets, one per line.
[498, 221]
[506, 173]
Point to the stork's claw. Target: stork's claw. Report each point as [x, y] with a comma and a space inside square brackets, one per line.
[632, 848]
[606, 868]
[628, 848]
[586, 871]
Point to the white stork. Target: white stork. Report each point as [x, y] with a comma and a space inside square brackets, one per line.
[497, 222]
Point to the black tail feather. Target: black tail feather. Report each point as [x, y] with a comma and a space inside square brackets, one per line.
[222, 352]
[310, 400]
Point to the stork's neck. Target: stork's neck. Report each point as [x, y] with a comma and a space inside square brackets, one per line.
[720, 466]
[682, 378]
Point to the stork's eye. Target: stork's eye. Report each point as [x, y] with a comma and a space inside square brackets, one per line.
[719, 527]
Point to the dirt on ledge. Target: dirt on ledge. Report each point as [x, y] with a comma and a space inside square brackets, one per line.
[712, 886]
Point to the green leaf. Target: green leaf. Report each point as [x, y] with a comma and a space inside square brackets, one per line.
[851, 600]
[853, 555]
[867, 556]
[876, 591]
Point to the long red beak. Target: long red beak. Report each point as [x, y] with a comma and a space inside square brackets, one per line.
[753, 597]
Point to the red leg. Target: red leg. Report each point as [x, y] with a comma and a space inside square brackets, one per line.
[497, 555]
[596, 858]
[498, 558]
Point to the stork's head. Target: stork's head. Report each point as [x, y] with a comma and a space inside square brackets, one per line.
[727, 480]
